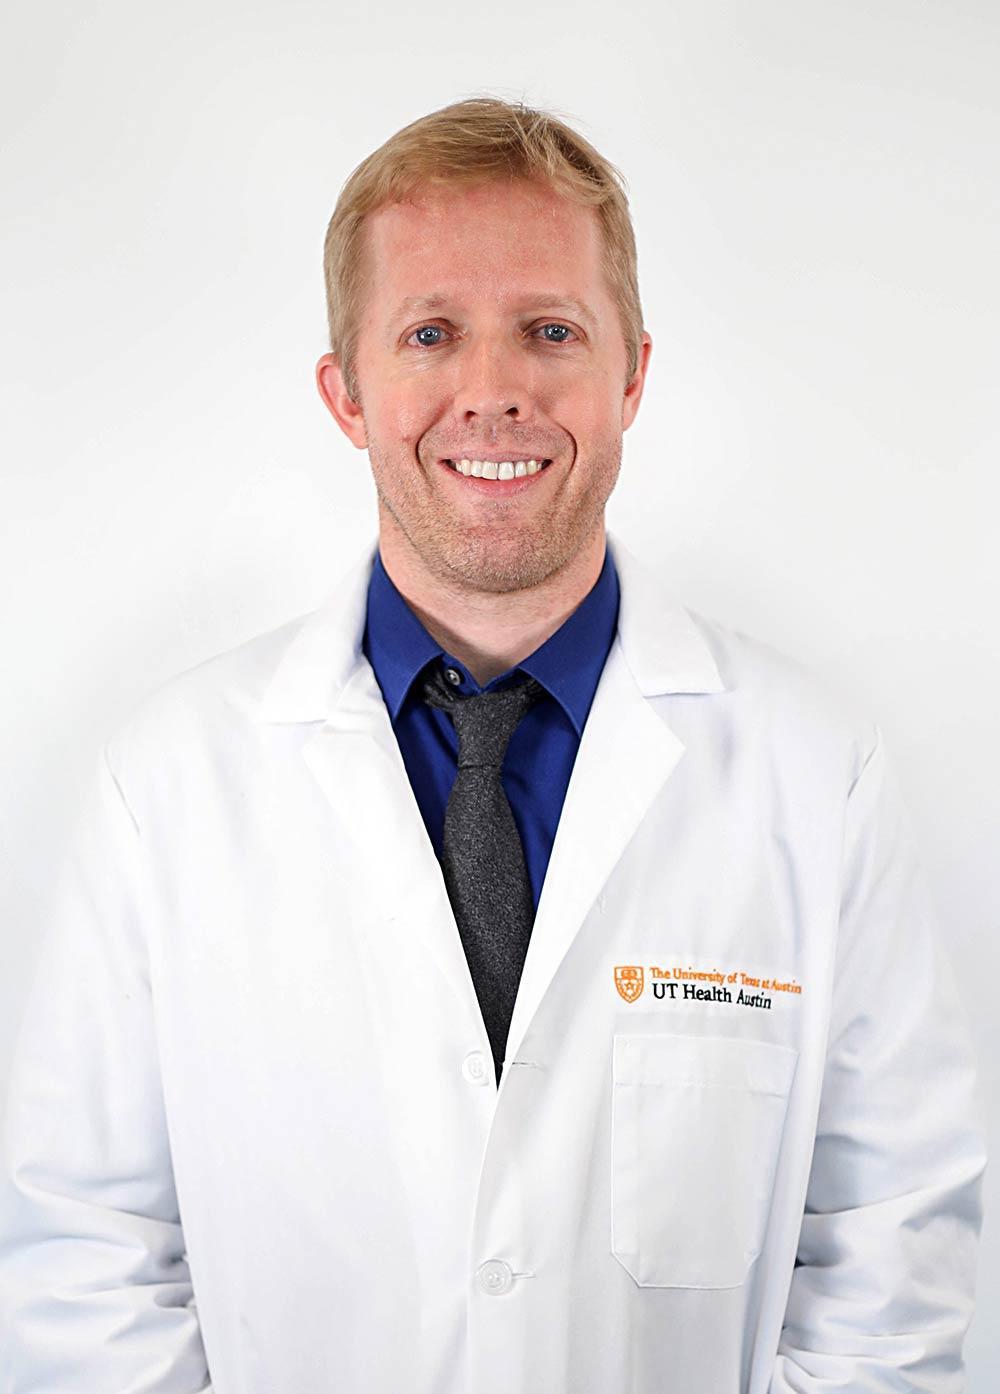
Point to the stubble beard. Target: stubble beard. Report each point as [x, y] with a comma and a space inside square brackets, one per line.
[501, 556]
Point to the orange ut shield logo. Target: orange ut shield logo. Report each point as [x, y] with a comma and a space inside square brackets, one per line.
[628, 981]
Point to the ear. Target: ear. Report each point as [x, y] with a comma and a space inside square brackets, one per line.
[633, 388]
[346, 413]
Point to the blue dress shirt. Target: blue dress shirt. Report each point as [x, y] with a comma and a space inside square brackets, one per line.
[542, 750]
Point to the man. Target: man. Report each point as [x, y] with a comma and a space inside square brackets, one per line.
[502, 978]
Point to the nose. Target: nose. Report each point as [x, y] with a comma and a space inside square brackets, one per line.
[493, 382]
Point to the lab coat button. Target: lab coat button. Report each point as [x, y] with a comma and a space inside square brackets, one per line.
[495, 1276]
[474, 1067]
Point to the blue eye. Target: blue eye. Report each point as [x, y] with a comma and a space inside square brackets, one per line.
[562, 328]
[427, 329]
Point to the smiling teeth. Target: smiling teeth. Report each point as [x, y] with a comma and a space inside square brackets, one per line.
[491, 469]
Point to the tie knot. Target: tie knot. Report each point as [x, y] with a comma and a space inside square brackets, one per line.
[485, 721]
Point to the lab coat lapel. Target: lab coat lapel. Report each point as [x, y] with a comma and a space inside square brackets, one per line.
[627, 753]
[356, 760]
[353, 754]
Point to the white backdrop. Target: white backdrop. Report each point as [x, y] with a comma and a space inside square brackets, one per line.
[816, 192]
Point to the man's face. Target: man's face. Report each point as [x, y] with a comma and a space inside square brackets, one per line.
[490, 334]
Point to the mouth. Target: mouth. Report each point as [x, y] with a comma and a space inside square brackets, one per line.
[498, 472]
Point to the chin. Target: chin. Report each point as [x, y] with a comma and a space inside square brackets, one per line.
[504, 565]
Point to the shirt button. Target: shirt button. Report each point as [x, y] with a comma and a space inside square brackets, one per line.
[494, 1276]
[453, 676]
[474, 1067]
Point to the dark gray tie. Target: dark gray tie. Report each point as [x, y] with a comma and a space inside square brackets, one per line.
[482, 858]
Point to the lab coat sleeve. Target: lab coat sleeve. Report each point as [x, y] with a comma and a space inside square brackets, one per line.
[882, 1291]
[95, 1289]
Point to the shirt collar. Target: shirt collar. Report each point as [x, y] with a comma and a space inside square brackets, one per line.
[568, 664]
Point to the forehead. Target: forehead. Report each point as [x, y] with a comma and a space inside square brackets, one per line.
[495, 241]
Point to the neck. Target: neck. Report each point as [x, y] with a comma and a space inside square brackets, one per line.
[489, 632]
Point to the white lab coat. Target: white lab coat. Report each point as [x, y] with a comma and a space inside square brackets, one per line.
[254, 1141]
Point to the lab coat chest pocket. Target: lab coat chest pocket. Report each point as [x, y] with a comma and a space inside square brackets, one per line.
[695, 1133]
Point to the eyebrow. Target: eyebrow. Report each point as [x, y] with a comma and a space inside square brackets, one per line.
[544, 300]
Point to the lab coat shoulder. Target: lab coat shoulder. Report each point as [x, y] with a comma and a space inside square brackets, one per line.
[199, 724]
[208, 727]
[804, 723]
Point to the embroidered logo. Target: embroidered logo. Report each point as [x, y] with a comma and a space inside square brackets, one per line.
[628, 981]
[680, 984]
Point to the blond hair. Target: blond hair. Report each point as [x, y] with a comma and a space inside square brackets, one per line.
[466, 143]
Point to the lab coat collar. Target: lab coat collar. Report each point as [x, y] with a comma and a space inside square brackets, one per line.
[663, 645]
